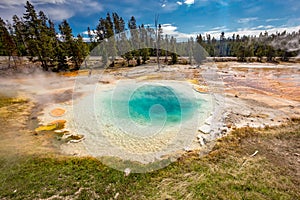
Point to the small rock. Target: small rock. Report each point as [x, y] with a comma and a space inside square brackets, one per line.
[205, 129]
[58, 131]
[209, 120]
[127, 171]
[201, 141]
[246, 113]
[104, 82]
[223, 130]
[228, 125]
[75, 137]
[116, 196]
[74, 141]
[187, 149]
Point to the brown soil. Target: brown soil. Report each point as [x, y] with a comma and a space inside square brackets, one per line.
[280, 146]
[17, 134]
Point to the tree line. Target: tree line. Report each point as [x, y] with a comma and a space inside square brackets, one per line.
[34, 35]
[283, 45]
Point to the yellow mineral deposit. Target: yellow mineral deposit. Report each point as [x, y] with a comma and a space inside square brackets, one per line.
[55, 125]
[193, 81]
[200, 88]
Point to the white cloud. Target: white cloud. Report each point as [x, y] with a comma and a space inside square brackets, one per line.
[171, 30]
[85, 39]
[272, 20]
[168, 29]
[169, 6]
[92, 33]
[246, 20]
[252, 10]
[71, 8]
[7, 14]
[189, 2]
[262, 27]
[56, 9]
[223, 3]
[12, 3]
[219, 28]
[59, 13]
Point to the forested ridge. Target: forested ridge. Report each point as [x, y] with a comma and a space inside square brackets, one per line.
[34, 35]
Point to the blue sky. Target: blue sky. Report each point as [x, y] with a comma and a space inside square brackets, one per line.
[181, 18]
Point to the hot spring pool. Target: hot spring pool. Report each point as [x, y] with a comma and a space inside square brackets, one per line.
[141, 121]
[150, 105]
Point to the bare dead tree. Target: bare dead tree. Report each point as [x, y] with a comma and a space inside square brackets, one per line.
[157, 39]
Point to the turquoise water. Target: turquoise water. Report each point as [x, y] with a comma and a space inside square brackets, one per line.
[153, 104]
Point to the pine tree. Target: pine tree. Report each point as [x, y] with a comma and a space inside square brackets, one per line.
[31, 35]
[75, 48]
[80, 51]
[63, 47]
[144, 49]
[100, 30]
[109, 26]
[39, 37]
[117, 23]
[92, 42]
[48, 40]
[19, 32]
[68, 45]
[7, 42]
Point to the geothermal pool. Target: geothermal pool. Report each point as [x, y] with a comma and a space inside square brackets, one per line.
[148, 105]
[140, 121]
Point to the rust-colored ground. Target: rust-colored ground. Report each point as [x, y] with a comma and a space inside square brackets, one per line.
[57, 112]
[282, 81]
